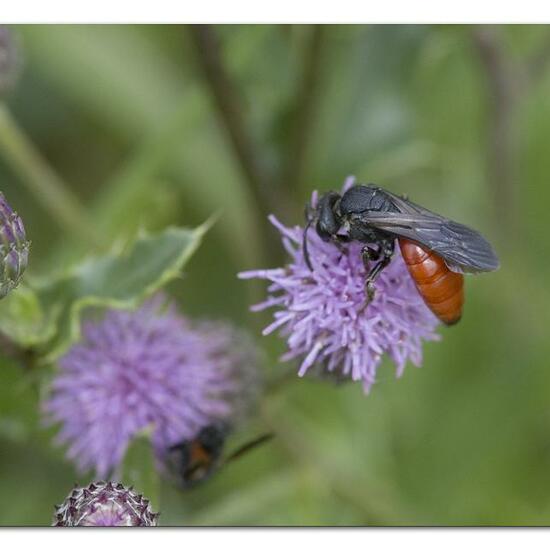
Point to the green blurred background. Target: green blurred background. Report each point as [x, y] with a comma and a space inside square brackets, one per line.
[156, 125]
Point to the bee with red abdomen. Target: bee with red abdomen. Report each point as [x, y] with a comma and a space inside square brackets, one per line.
[436, 250]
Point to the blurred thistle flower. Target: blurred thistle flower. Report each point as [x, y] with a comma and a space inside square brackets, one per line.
[10, 60]
[148, 368]
[322, 313]
[14, 248]
[104, 504]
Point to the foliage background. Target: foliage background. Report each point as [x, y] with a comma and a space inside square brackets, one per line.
[456, 117]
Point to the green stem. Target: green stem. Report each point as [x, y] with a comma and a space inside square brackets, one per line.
[47, 187]
[304, 112]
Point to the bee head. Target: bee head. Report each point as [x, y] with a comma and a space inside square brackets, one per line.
[327, 219]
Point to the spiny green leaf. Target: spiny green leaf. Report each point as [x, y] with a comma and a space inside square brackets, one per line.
[48, 314]
[23, 320]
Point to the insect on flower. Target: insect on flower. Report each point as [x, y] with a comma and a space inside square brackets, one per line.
[322, 313]
[437, 250]
[195, 460]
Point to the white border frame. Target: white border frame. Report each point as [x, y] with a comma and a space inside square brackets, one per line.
[281, 11]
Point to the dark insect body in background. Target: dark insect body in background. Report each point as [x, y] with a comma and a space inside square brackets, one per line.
[436, 250]
[198, 458]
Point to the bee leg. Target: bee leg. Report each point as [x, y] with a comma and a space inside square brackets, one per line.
[369, 254]
[177, 446]
[339, 241]
[386, 250]
[369, 283]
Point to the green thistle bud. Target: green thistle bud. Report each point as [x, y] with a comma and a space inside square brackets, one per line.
[14, 248]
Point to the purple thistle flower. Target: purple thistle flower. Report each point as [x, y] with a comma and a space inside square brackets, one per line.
[14, 248]
[148, 368]
[104, 504]
[323, 317]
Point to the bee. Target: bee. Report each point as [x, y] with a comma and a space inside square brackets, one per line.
[437, 250]
[195, 460]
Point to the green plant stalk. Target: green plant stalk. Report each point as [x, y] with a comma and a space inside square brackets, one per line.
[39, 178]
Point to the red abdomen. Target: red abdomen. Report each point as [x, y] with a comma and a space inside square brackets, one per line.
[441, 288]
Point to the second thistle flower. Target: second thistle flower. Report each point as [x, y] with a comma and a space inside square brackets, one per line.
[148, 368]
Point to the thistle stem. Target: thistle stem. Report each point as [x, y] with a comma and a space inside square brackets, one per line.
[227, 100]
[508, 84]
[231, 114]
[304, 111]
[39, 178]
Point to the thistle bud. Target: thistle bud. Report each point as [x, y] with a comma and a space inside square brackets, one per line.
[104, 504]
[10, 61]
[14, 248]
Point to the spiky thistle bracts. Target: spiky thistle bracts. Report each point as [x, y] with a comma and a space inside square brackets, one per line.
[323, 316]
[14, 248]
[149, 368]
[105, 504]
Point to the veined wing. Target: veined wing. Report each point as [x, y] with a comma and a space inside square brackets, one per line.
[462, 248]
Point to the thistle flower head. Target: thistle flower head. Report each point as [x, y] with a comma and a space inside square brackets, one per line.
[10, 61]
[150, 368]
[104, 504]
[14, 248]
[322, 313]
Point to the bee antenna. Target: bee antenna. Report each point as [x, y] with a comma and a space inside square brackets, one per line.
[249, 446]
[304, 240]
